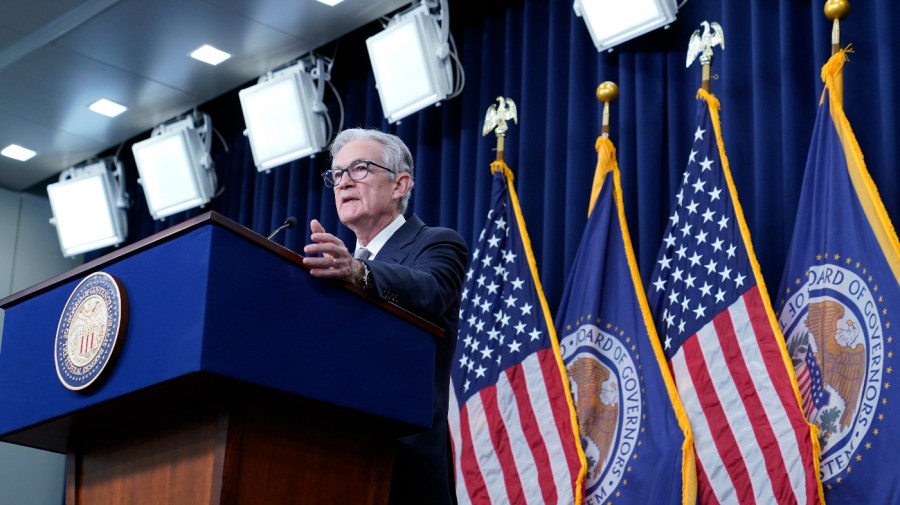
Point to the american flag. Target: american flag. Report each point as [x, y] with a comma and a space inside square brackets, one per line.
[718, 331]
[512, 423]
[812, 390]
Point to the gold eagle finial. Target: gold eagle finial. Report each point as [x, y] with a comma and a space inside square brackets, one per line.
[498, 114]
[702, 44]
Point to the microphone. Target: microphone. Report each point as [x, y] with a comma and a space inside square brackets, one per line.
[288, 223]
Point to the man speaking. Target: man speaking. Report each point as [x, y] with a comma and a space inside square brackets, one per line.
[417, 267]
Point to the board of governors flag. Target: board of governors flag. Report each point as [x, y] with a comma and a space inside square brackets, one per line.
[722, 341]
[633, 427]
[512, 423]
[837, 301]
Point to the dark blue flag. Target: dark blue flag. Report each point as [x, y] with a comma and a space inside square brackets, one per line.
[633, 427]
[837, 302]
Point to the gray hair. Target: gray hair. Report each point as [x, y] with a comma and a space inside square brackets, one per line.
[396, 155]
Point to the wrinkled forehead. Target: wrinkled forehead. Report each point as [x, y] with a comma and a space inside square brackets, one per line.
[358, 150]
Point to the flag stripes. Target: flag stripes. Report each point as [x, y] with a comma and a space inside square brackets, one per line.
[512, 424]
[533, 475]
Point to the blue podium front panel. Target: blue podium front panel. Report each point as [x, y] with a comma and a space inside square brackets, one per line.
[212, 302]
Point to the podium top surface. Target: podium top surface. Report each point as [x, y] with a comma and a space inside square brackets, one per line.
[205, 219]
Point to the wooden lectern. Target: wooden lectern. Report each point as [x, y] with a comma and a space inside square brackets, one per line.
[240, 378]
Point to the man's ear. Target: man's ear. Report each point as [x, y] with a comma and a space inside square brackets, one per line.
[402, 185]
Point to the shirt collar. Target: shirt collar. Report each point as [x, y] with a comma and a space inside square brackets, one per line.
[375, 245]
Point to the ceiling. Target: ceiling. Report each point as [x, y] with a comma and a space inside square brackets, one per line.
[59, 56]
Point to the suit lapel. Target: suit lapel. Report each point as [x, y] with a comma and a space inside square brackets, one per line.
[396, 249]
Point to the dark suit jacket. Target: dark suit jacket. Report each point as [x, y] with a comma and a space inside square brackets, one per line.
[421, 269]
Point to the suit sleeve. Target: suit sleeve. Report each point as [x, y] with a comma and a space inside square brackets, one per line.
[432, 281]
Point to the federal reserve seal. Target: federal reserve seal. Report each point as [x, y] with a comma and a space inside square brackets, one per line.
[90, 329]
[606, 387]
[836, 337]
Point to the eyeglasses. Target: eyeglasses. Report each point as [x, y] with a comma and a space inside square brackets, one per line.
[357, 171]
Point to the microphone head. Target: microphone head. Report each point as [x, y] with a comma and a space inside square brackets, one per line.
[290, 222]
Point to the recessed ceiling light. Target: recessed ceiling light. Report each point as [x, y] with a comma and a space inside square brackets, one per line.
[330, 3]
[107, 107]
[17, 152]
[209, 54]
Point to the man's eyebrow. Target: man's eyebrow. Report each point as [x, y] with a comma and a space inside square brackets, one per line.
[348, 165]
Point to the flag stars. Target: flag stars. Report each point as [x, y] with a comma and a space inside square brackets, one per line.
[698, 186]
[494, 241]
[517, 284]
[509, 256]
[510, 301]
[701, 237]
[526, 309]
[492, 287]
[520, 328]
[535, 334]
[689, 281]
[660, 284]
[706, 289]
[686, 230]
[486, 262]
[700, 311]
[731, 250]
[723, 223]
[693, 157]
[714, 194]
[681, 252]
[674, 217]
[501, 223]
[664, 263]
[692, 207]
[669, 240]
[717, 245]
[706, 164]
[698, 135]
[695, 259]
[708, 215]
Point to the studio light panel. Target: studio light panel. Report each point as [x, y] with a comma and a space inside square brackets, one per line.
[611, 22]
[410, 71]
[281, 120]
[172, 173]
[85, 214]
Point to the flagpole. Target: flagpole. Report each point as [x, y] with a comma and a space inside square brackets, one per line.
[607, 92]
[836, 10]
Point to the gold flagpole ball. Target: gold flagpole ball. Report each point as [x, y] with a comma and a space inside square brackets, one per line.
[607, 92]
[837, 9]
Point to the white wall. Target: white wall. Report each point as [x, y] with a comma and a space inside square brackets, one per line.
[29, 254]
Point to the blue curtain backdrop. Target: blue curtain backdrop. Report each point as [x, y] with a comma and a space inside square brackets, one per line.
[541, 55]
